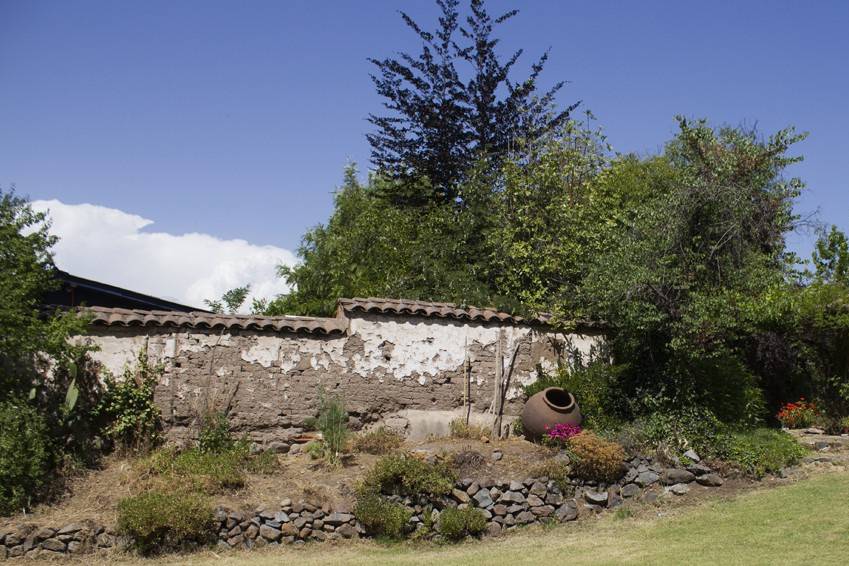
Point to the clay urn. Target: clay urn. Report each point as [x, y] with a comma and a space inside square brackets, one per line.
[547, 408]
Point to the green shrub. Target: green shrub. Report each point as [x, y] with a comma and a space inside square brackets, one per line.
[459, 428]
[332, 421]
[596, 458]
[455, 524]
[26, 455]
[593, 382]
[681, 430]
[128, 406]
[761, 451]
[214, 435]
[161, 522]
[380, 517]
[400, 474]
[725, 387]
[377, 441]
[314, 449]
[209, 472]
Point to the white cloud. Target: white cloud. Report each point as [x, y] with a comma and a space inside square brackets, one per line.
[110, 245]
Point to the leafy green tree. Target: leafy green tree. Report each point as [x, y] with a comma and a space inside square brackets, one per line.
[548, 217]
[370, 247]
[440, 123]
[45, 388]
[680, 281]
[231, 301]
[30, 338]
[831, 257]
[801, 335]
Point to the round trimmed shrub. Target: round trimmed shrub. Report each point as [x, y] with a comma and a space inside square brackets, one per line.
[402, 474]
[455, 524]
[26, 455]
[380, 517]
[596, 458]
[160, 522]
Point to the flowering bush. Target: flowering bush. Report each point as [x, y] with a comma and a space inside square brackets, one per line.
[800, 414]
[561, 433]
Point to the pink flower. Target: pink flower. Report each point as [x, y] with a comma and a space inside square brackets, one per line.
[563, 432]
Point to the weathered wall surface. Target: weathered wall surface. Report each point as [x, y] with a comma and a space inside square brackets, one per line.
[268, 381]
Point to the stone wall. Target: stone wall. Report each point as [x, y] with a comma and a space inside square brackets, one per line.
[384, 365]
[506, 505]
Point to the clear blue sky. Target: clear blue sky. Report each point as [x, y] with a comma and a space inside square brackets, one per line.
[236, 119]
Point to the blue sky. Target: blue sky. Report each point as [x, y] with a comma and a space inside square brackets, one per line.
[235, 119]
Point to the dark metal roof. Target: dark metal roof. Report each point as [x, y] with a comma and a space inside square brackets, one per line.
[75, 291]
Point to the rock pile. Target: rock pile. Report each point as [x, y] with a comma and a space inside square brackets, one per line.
[288, 524]
[33, 541]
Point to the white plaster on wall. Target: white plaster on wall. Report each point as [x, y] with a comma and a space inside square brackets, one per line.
[264, 350]
[117, 352]
[324, 352]
[423, 347]
[394, 346]
[197, 342]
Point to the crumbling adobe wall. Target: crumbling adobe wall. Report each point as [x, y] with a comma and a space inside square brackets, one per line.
[268, 383]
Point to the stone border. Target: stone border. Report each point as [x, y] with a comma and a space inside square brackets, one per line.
[33, 541]
[505, 504]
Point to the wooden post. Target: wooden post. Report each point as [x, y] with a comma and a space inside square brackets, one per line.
[467, 387]
[499, 374]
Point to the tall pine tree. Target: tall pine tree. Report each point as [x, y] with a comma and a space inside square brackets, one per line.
[441, 121]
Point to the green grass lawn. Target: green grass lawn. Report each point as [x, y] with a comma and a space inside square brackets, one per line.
[803, 523]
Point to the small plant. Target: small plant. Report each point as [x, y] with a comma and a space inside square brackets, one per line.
[206, 472]
[403, 475]
[332, 422]
[159, 522]
[596, 458]
[315, 449]
[761, 451]
[214, 436]
[377, 441]
[459, 428]
[623, 513]
[265, 463]
[518, 428]
[128, 406]
[800, 414]
[467, 461]
[456, 524]
[380, 517]
[26, 455]
[559, 434]
[843, 425]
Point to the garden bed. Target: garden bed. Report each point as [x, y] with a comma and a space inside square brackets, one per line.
[301, 501]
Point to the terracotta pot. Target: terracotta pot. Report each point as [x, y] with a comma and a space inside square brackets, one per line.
[549, 407]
